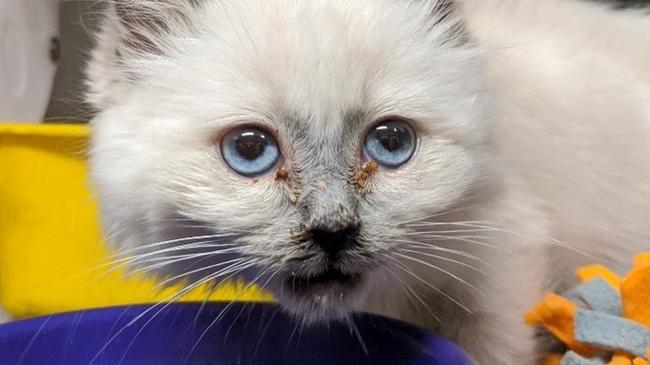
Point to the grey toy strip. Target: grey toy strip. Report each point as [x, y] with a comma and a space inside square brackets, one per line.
[597, 295]
[571, 358]
[611, 332]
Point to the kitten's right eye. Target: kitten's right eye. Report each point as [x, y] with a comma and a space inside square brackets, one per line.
[250, 151]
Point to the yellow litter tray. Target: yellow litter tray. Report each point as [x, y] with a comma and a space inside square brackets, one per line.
[50, 245]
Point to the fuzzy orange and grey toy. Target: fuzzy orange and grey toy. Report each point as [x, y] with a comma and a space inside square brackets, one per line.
[604, 320]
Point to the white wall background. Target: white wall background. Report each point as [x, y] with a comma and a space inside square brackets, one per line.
[26, 69]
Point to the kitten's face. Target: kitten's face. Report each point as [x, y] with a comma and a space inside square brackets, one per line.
[255, 124]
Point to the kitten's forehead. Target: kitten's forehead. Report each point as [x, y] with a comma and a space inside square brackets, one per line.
[317, 59]
[330, 67]
[322, 127]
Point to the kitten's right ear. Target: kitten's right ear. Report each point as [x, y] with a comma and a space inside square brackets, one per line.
[143, 25]
[133, 30]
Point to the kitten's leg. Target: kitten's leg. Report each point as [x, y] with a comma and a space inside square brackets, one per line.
[493, 334]
[496, 334]
[492, 339]
[513, 283]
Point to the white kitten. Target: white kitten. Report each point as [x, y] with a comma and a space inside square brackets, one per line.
[512, 139]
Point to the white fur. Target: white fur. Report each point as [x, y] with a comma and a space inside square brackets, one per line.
[541, 127]
[4, 317]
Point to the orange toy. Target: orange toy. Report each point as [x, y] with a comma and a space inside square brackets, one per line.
[605, 318]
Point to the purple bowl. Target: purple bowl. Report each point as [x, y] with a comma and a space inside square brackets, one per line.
[217, 334]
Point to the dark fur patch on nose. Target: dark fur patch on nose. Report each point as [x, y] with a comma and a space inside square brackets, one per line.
[334, 239]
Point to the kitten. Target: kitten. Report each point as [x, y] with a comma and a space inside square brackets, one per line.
[442, 163]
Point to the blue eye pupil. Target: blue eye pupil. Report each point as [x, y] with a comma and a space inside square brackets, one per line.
[250, 151]
[391, 143]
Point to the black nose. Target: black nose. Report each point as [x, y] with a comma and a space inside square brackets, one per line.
[333, 240]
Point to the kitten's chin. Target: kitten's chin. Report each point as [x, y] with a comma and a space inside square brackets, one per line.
[328, 296]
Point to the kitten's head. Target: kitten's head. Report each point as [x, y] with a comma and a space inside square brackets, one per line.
[291, 141]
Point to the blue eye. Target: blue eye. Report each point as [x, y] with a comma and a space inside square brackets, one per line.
[390, 143]
[250, 151]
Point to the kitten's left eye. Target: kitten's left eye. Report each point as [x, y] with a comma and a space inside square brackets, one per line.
[250, 151]
[390, 143]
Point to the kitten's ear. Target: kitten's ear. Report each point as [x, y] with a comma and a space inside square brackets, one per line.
[133, 29]
[447, 15]
[143, 24]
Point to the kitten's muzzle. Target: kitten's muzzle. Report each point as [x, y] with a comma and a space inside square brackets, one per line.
[331, 221]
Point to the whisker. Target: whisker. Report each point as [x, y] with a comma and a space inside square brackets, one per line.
[470, 239]
[472, 230]
[190, 246]
[446, 223]
[414, 294]
[165, 303]
[433, 287]
[431, 246]
[552, 240]
[355, 330]
[261, 288]
[293, 332]
[447, 272]
[489, 226]
[253, 282]
[123, 262]
[220, 315]
[166, 261]
[237, 261]
[210, 237]
[264, 330]
[447, 259]
[174, 297]
[434, 215]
